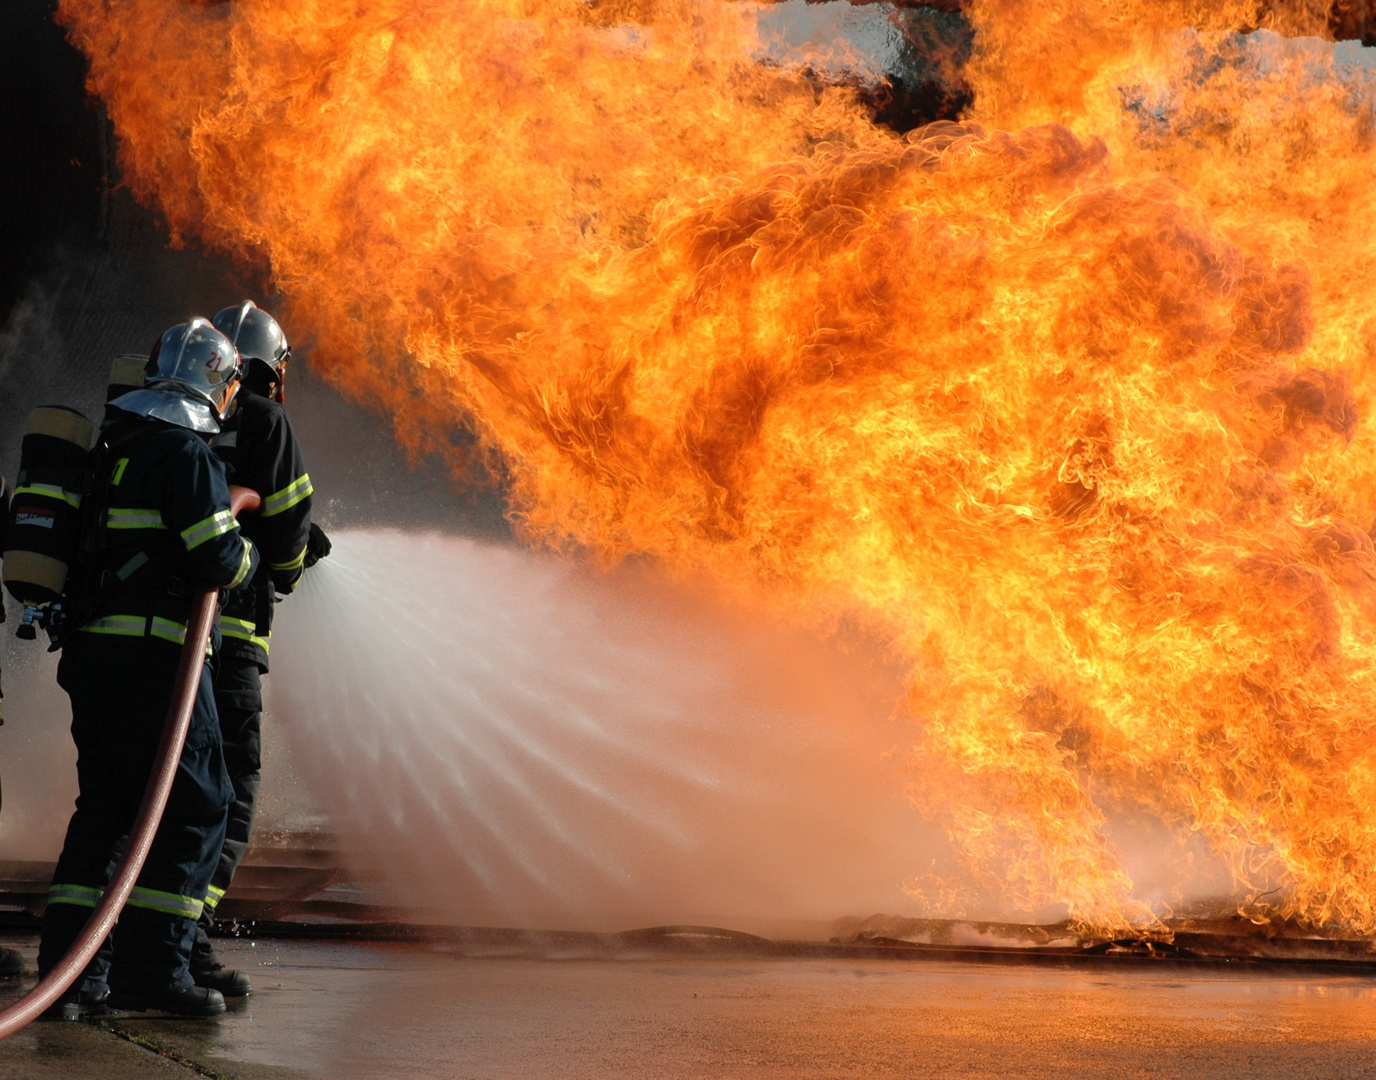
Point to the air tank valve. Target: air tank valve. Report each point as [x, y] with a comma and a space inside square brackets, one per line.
[26, 630]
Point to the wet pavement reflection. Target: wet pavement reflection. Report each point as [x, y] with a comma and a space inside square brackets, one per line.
[371, 1011]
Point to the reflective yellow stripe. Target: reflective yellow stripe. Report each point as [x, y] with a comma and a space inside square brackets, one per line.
[289, 496]
[166, 902]
[120, 466]
[245, 565]
[138, 626]
[134, 519]
[79, 895]
[213, 897]
[49, 491]
[123, 625]
[217, 524]
[243, 630]
[292, 564]
[167, 630]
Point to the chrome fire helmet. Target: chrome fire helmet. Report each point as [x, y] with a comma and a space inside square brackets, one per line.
[191, 378]
[258, 337]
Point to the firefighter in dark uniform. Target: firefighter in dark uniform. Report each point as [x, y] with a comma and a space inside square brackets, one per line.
[260, 451]
[167, 529]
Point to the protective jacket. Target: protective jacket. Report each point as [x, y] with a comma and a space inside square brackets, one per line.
[260, 451]
[168, 528]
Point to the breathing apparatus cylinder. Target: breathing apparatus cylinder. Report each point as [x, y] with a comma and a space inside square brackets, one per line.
[45, 522]
[127, 373]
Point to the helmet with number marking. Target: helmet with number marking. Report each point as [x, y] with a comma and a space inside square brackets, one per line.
[190, 379]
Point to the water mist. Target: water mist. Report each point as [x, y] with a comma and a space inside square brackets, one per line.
[516, 742]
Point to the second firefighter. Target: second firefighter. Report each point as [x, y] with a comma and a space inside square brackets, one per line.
[260, 451]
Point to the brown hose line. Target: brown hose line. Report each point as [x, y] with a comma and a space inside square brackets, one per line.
[59, 979]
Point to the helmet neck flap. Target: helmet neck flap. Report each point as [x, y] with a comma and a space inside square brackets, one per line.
[173, 404]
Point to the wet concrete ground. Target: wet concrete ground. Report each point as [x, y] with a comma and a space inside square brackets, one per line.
[365, 1011]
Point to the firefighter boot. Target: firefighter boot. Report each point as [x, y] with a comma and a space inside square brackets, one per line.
[208, 971]
[188, 1001]
[78, 1004]
[228, 981]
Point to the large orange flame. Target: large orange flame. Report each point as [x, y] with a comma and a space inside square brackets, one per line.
[1069, 402]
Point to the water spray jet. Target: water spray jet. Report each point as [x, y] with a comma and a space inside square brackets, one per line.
[555, 749]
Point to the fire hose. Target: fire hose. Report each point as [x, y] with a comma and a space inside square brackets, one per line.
[53, 985]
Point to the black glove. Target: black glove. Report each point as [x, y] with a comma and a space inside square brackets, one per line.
[317, 545]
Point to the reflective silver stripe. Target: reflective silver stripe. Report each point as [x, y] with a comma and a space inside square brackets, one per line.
[217, 524]
[134, 519]
[166, 902]
[213, 897]
[242, 630]
[49, 491]
[123, 625]
[137, 626]
[292, 564]
[80, 895]
[245, 565]
[289, 496]
[167, 630]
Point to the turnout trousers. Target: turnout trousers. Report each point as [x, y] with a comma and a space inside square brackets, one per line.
[239, 703]
[120, 688]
